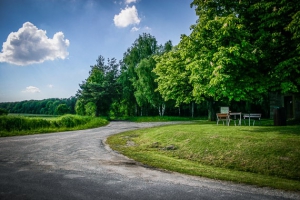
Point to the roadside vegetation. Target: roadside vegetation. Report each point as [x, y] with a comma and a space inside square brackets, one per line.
[12, 125]
[265, 156]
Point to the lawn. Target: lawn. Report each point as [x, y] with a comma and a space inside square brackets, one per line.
[259, 155]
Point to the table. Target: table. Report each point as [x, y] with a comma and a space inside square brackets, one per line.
[235, 114]
[253, 116]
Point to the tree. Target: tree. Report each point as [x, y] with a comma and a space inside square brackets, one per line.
[145, 85]
[3, 111]
[62, 109]
[143, 47]
[100, 89]
[250, 45]
[277, 36]
[173, 78]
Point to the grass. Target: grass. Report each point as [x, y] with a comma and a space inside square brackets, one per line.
[13, 125]
[160, 118]
[265, 156]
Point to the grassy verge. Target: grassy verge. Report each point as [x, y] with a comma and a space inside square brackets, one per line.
[266, 156]
[162, 119]
[20, 125]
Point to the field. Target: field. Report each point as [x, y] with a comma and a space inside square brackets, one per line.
[259, 155]
[26, 124]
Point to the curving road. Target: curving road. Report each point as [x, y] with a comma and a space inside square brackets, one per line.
[78, 165]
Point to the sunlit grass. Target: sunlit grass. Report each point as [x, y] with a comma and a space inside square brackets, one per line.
[13, 125]
[260, 155]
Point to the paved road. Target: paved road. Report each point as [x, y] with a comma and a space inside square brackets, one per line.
[78, 165]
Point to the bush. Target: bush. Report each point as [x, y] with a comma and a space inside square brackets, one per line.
[18, 125]
[3, 111]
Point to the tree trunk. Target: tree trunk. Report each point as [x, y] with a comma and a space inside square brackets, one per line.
[193, 105]
[159, 111]
[136, 110]
[211, 110]
[163, 108]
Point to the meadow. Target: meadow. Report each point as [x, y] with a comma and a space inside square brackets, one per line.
[26, 124]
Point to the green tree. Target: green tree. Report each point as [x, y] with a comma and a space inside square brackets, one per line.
[145, 85]
[101, 87]
[3, 111]
[144, 47]
[62, 109]
[173, 78]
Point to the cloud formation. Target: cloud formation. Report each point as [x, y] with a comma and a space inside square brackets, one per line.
[127, 17]
[134, 29]
[31, 45]
[130, 1]
[50, 86]
[31, 89]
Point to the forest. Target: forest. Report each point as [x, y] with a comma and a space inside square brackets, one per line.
[237, 53]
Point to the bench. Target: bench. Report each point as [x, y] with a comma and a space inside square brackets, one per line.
[250, 116]
[224, 117]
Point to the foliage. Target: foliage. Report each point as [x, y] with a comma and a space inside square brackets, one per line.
[145, 85]
[130, 79]
[246, 47]
[45, 106]
[100, 89]
[62, 109]
[3, 112]
[173, 78]
[260, 155]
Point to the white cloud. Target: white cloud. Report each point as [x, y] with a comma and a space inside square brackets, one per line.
[31, 89]
[127, 17]
[147, 28]
[130, 1]
[134, 29]
[50, 86]
[31, 45]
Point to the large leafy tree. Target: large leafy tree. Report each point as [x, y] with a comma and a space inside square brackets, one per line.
[145, 86]
[143, 48]
[223, 60]
[276, 34]
[173, 78]
[251, 46]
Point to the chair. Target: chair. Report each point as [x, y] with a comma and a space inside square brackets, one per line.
[224, 117]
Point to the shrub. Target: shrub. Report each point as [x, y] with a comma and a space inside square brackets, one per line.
[3, 111]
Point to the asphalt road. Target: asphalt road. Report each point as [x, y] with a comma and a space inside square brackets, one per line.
[79, 165]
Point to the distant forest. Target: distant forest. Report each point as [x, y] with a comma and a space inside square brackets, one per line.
[53, 106]
[60, 106]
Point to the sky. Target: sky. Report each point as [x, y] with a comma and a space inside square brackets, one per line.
[48, 46]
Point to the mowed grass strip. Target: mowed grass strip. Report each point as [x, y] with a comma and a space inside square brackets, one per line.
[260, 155]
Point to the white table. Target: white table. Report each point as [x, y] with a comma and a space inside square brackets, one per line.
[253, 116]
[235, 114]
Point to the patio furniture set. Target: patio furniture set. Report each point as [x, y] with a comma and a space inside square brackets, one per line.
[226, 116]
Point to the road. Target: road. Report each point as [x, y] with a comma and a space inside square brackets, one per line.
[79, 165]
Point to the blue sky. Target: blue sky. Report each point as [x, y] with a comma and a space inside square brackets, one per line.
[48, 46]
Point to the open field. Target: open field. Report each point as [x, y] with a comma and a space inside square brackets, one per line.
[266, 156]
[13, 125]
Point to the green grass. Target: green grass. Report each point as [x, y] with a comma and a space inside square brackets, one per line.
[162, 119]
[260, 155]
[13, 125]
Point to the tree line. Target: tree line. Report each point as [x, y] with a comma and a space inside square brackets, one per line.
[52, 106]
[237, 53]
